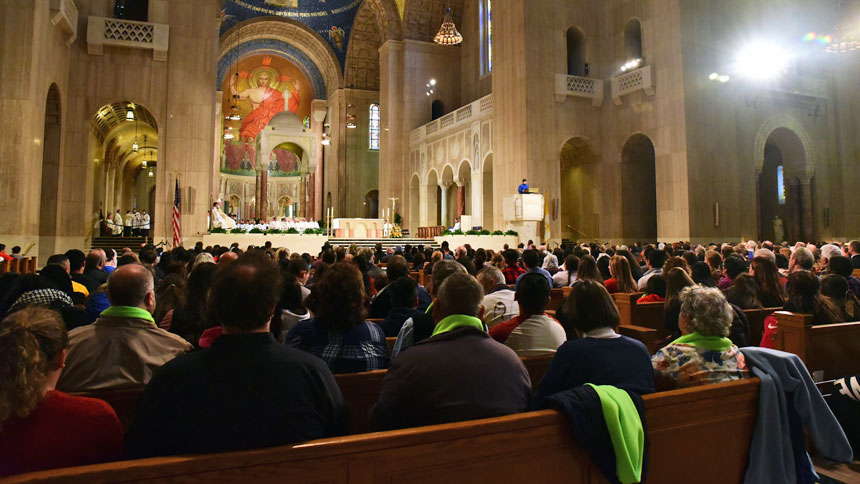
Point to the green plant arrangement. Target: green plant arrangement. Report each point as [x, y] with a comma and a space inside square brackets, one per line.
[472, 232]
[218, 230]
[292, 230]
[397, 218]
[237, 230]
[498, 232]
[256, 230]
[511, 232]
[310, 231]
[274, 231]
[484, 232]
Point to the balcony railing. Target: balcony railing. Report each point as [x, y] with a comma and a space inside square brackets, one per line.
[103, 31]
[451, 121]
[64, 14]
[632, 81]
[577, 86]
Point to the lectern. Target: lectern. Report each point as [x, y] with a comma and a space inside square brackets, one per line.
[524, 213]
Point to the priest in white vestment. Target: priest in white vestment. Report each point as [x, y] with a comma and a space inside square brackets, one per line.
[220, 220]
[116, 224]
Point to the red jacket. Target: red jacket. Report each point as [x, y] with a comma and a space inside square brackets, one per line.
[63, 431]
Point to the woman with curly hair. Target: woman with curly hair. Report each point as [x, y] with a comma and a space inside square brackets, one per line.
[338, 333]
[703, 354]
[40, 427]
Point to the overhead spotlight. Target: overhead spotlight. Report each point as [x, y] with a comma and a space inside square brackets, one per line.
[762, 61]
[724, 79]
[714, 76]
[432, 82]
[631, 64]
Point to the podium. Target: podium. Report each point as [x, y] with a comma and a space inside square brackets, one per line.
[524, 212]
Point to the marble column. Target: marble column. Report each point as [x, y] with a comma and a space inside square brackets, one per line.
[477, 198]
[461, 200]
[444, 202]
[806, 204]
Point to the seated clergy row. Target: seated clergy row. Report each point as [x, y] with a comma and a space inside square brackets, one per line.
[247, 390]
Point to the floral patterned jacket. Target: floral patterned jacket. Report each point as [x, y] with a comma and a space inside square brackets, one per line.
[686, 365]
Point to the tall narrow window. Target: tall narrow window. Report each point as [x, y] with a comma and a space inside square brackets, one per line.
[633, 39]
[576, 52]
[373, 126]
[780, 185]
[486, 36]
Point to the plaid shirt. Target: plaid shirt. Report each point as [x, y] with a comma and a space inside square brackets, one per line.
[362, 348]
[512, 273]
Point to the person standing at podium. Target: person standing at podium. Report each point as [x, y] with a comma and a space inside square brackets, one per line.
[524, 187]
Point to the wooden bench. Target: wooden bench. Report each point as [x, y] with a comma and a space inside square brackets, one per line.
[556, 297]
[647, 315]
[647, 336]
[756, 319]
[360, 392]
[830, 348]
[390, 342]
[123, 401]
[522, 448]
[414, 275]
[536, 366]
[856, 273]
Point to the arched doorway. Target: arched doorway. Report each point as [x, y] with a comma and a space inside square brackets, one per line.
[234, 206]
[580, 182]
[576, 55]
[371, 204]
[433, 196]
[785, 189]
[437, 109]
[639, 190]
[487, 187]
[50, 174]
[464, 191]
[284, 204]
[414, 204]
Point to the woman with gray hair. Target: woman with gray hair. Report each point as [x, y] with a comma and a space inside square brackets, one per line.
[703, 354]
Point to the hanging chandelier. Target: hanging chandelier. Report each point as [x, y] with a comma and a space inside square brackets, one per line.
[448, 34]
[134, 144]
[350, 118]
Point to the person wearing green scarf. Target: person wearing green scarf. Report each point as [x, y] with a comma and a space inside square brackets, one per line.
[703, 354]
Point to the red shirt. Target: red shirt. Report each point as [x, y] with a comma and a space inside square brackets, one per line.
[512, 273]
[649, 298]
[5, 256]
[611, 285]
[63, 431]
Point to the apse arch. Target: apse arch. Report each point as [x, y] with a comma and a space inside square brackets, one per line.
[294, 37]
[790, 123]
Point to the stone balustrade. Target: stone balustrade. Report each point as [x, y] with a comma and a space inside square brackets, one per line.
[64, 14]
[577, 86]
[452, 121]
[103, 31]
[632, 81]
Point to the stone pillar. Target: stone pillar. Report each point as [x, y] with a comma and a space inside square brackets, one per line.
[461, 199]
[759, 222]
[477, 198]
[393, 153]
[444, 201]
[806, 204]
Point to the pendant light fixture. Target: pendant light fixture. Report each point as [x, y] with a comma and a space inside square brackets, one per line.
[448, 34]
[144, 153]
[134, 144]
[350, 117]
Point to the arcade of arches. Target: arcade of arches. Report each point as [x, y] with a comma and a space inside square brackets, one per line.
[295, 110]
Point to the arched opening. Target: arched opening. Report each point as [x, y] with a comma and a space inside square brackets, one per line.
[464, 192]
[137, 10]
[437, 109]
[487, 187]
[433, 196]
[785, 202]
[580, 184]
[48, 202]
[124, 136]
[284, 205]
[414, 204]
[639, 189]
[234, 206]
[448, 201]
[633, 39]
[576, 60]
[371, 204]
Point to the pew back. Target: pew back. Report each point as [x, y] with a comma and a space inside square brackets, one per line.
[830, 348]
[474, 451]
[123, 401]
[556, 297]
[756, 319]
[648, 315]
[360, 392]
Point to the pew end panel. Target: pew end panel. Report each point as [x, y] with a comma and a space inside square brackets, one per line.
[647, 336]
[360, 392]
[830, 348]
[556, 296]
[536, 366]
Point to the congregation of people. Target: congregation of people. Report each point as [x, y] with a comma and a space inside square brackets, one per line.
[133, 224]
[236, 348]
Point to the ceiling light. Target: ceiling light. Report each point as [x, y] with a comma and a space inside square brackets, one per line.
[228, 136]
[724, 79]
[129, 115]
[714, 76]
[762, 61]
[448, 34]
[143, 164]
[134, 146]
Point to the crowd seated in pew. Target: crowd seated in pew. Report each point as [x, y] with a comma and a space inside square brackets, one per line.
[359, 393]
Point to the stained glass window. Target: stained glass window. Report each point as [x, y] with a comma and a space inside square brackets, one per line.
[780, 185]
[486, 36]
[373, 126]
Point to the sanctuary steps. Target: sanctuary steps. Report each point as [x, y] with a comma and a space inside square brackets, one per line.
[386, 243]
[117, 243]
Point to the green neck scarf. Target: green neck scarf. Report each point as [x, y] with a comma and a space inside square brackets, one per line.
[456, 321]
[127, 312]
[714, 343]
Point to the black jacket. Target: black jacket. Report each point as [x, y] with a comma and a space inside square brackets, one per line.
[244, 392]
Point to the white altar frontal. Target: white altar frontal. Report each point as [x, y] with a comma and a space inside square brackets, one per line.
[358, 228]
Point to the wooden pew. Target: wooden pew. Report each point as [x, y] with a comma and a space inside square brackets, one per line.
[648, 336]
[390, 342]
[15, 265]
[756, 319]
[422, 277]
[856, 273]
[556, 297]
[4, 267]
[648, 315]
[123, 401]
[414, 276]
[537, 366]
[473, 451]
[831, 348]
[360, 392]
[31, 265]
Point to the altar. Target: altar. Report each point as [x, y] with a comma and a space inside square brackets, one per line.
[359, 228]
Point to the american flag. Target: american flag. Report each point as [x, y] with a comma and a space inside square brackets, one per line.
[177, 211]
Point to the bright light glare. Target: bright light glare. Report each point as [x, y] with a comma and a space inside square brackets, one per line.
[714, 76]
[762, 61]
[724, 79]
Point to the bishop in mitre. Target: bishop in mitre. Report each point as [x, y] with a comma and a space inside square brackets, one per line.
[220, 220]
